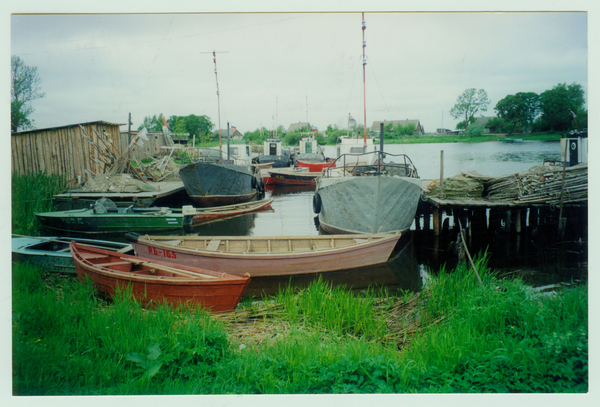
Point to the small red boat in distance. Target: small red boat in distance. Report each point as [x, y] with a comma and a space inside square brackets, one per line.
[315, 166]
[152, 282]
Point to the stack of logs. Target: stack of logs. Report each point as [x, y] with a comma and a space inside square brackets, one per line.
[541, 185]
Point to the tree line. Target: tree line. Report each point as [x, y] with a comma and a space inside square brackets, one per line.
[559, 109]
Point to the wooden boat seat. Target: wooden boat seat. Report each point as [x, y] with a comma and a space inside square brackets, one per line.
[114, 263]
[93, 256]
[213, 245]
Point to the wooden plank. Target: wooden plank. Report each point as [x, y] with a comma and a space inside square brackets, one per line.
[213, 245]
[169, 269]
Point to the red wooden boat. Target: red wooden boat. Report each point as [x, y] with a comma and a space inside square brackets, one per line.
[315, 166]
[292, 176]
[268, 256]
[154, 282]
[197, 216]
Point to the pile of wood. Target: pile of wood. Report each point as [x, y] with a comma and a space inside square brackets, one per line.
[541, 185]
[464, 185]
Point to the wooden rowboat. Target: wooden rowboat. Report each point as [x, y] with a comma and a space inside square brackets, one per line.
[153, 282]
[197, 216]
[268, 256]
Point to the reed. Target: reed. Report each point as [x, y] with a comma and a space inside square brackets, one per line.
[32, 193]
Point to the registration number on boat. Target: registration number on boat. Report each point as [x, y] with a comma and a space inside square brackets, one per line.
[164, 253]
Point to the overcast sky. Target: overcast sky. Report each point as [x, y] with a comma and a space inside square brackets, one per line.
[282, 68]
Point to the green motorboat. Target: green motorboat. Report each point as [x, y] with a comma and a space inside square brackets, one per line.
[104, 217]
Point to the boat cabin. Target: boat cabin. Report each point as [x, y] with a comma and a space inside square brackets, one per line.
[272, 146]
[240, 154]
[347, 145]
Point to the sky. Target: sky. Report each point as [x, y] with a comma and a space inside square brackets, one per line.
[278, 68]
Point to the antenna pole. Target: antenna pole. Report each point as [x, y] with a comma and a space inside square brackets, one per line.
[364, 27]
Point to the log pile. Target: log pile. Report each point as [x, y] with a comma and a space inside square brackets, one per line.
[464, 185]
[538, 185]
[541, 185]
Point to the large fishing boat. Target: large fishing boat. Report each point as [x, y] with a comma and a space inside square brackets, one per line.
[219, 183]
[229, 180]
[366, 194]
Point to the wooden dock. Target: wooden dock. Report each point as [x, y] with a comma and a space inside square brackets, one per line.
[437, 213]
[159, 193]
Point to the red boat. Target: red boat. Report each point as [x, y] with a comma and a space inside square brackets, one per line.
[153, 282]
[293, 176]
[315, 166]
[196, 216]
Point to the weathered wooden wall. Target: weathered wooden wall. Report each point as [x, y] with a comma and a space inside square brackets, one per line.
[150, 148]
[65, 150]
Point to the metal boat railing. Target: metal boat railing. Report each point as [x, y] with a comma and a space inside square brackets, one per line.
[355, 167]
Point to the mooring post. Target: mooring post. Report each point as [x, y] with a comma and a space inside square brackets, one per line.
[437, 215]
[441, 173]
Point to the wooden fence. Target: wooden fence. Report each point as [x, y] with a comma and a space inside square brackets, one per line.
[79, 150]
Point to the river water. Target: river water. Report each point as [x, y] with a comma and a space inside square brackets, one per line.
[419, 254]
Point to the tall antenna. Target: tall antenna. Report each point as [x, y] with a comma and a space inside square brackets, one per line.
[218, 97]
[364, 27]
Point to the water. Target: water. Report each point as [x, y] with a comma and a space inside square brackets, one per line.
[492, 158]
[420, 253]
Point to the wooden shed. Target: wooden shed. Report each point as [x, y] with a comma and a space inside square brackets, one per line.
[78, 150]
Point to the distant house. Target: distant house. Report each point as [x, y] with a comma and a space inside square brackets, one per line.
[234, 134]
[419, 130]
[483, 122]
[300, 125]
[443, 131]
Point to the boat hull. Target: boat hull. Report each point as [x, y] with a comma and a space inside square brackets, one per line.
[294, 177]
[158, 282]
[212, 184]
[52, 252]
[370, 204]
[86, 222]
[207, 214]
[279, 161]
[314, 166]
[264, 264]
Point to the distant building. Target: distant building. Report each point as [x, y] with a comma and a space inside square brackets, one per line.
[234, 134]
[483, 122]
[300, 125]
[419, 130]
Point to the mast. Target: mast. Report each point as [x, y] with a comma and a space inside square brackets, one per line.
[364, 27]
[218, 98]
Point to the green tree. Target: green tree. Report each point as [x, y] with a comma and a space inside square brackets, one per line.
[24, 88]
[556, 103]
[154, 123]
[518, 111]
[469, 103]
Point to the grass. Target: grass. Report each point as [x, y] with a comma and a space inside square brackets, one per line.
[32, 193]
[455, 336]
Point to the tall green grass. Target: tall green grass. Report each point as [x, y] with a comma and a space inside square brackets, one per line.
[32, 193]
[499, 337]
